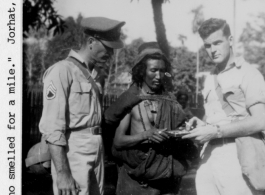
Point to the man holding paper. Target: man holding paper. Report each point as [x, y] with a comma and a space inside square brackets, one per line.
[234, 96]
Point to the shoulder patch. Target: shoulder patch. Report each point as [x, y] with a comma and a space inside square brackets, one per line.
[51, 91]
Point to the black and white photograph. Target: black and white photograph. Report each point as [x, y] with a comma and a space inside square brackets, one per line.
[132, 97]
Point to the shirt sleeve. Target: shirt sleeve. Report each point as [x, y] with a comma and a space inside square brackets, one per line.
[253, 86]
[54, 121]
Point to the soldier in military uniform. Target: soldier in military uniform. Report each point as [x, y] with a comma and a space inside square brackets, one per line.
[234, 98]
[71, 116]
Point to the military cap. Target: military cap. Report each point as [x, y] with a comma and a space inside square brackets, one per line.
[108, 31]
[148, 48]
[38, 158]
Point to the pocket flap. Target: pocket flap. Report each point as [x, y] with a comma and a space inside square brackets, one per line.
[229, 90]
[233, 94]
[81, 87]
[86, 87]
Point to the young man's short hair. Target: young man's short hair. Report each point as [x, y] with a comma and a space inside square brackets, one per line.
[84, 37]
[212, 25]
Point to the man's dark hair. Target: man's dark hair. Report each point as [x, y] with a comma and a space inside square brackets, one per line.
[83, 38]
[139, 71]
[213, 24]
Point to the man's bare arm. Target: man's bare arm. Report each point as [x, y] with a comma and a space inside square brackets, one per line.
[253, 124]
[65, 182]
[123, 140]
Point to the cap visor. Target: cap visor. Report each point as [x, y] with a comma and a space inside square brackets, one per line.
[113, 44]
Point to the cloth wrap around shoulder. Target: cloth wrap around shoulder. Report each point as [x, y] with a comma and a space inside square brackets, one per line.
[150, 162]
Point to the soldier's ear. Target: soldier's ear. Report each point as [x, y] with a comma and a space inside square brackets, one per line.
[89, 43]
[90, 40]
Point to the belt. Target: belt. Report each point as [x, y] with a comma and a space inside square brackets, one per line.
[222, 141]
[91, 130]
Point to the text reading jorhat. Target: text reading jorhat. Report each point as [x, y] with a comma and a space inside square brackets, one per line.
[108, 31]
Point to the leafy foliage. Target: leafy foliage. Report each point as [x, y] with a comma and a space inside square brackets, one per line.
[40, 13]
[41, 51]
[34, 48]
[253, 41]
[59, 46]
[198, 18]
[184, 68]
[123, 62]
[128, 54]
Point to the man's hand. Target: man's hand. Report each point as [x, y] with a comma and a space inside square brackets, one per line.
[156, 135]
[66, 184]
[202, 134]
[194, 122]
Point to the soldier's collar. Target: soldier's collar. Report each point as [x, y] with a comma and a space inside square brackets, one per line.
[74, 54]
[237, 62]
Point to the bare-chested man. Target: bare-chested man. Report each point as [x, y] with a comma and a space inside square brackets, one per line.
[151, 162]
[151, 84]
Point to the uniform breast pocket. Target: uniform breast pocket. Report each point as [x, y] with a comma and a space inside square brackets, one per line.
[80, 96]
[81, 87]
[235, 98]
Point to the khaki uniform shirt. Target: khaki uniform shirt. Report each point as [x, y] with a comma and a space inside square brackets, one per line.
[242, 85]
[69, 101]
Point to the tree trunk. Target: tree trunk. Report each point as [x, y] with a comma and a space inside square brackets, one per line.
[162, 38]
[160, 27]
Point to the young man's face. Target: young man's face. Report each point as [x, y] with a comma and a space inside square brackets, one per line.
[155, 72]
[218, 46]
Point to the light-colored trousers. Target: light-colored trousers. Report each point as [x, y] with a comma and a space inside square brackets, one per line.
[86, 159]
[220, 172]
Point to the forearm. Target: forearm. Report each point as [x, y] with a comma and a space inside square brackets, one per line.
[127, 141]
[59, 159]
[250, 125]
[244, 127]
